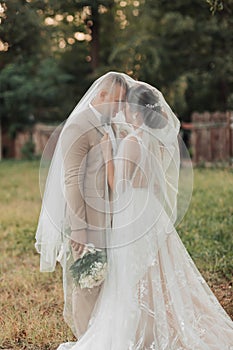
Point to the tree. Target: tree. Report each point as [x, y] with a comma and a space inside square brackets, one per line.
[23, 31]
[182, 49]
[31, 81]
[90, 15]
[55, 48]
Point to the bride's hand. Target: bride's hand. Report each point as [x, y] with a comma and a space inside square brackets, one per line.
[106, 147]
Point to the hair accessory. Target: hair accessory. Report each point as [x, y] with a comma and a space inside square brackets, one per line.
[152, 106]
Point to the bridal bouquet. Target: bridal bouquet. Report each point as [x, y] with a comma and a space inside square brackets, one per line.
[90, 270]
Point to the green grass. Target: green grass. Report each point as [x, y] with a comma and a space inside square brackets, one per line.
[207, 229]
[31, 302]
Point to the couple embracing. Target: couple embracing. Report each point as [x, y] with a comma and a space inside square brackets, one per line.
[112, 187]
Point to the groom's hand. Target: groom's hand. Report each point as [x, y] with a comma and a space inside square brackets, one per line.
[77, 247]
[78, 239]
[106, 147]
[123, 134]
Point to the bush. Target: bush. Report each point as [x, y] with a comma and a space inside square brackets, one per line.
[28, 150]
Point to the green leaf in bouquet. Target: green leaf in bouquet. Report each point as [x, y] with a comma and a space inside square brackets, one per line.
[84, 265]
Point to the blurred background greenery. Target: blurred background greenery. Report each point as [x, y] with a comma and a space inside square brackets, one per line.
[51, 51]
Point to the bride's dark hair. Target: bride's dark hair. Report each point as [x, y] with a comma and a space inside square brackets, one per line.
[143, 99]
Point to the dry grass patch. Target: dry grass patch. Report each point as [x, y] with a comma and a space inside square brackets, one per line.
[31, 302]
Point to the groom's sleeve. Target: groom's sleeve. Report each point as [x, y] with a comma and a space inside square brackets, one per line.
[74, 149]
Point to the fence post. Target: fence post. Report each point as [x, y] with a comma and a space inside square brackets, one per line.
[0, 140]
[230, 122]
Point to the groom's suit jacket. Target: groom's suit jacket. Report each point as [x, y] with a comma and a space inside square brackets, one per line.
[86, 188]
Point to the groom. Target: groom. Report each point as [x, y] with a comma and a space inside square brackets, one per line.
[85, 182]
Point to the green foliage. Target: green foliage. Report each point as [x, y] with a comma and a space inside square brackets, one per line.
[215, 5]
[28, 150]
[26, 89]
[182, 49]
[179, 47]
[16, 89]
[22, 29]
[14, 129]
[84, 265]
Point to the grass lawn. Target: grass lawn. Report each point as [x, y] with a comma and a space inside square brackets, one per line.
[31, 302]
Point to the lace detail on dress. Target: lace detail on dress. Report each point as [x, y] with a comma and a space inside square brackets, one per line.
[178, 311]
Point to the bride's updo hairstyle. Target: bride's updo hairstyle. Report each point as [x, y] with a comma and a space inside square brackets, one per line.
[144, 100]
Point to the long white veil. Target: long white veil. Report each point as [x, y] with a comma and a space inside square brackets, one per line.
[153, 296]
[53, 223]
[152, 191]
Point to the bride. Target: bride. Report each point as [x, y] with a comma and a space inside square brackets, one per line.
[153, 297]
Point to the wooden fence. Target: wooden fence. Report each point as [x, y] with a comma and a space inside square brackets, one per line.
[12, 148]
[211, 138]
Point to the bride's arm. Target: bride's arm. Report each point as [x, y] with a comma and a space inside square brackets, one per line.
[131, 156]
[110, 172]
[107, 154]
[129, 162]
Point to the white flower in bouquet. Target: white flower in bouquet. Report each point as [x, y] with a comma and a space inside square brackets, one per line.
[90, 270]
[94, 277]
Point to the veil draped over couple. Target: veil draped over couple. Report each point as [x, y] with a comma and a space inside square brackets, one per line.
[108, 216]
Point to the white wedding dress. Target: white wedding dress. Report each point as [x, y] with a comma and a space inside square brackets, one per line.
[153, 298]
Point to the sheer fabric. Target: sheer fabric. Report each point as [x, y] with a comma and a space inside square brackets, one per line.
[154, 297]
[75, 195]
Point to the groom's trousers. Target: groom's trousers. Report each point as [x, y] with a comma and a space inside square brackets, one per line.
[83, 304]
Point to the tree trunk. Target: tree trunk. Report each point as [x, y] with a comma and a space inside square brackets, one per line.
[95, 38]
